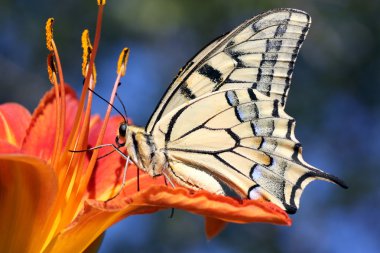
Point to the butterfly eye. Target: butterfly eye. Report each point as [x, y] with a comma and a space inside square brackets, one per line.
[122, 129]
[120, 138]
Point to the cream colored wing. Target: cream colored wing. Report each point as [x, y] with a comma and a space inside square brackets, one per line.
[258, 54]
[241, 138]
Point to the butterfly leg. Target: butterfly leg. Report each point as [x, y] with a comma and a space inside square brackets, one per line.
[124, 180]
[167, 178]
[193, 178]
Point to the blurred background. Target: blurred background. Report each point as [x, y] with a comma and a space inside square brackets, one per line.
[334, 98]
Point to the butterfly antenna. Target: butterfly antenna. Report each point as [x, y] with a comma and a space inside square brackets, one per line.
[93, 148]
[105, 100]
[122, 104]
[117, 149]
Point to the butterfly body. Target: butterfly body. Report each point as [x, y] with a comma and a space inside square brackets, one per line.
[222, 120]
[144, 152]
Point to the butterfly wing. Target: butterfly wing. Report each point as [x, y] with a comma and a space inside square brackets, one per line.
[258, 54]
[242, 138]
[222, 119]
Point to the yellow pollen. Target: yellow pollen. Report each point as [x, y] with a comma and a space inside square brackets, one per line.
[49, 33]
[101, 2]
[87, 49]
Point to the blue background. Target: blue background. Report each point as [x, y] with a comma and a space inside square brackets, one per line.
[334, 98]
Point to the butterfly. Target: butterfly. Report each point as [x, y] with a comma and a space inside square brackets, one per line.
[222, 120]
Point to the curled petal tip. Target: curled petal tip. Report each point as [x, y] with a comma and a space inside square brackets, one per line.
[213, 227]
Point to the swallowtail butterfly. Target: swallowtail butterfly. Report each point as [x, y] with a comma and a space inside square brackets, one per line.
[222, 120]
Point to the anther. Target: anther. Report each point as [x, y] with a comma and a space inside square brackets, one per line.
[122, 62]
[49, 34]
[51, 68]
[101, 2]
[87, 50]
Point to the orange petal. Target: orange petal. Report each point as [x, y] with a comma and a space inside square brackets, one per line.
[41, 133]
[218, 209]
[108, 170]
[7, 148]
[111, 130]
[107, 179]
[211, 205]
[213, 227]
[154, 193]
[91, 223]
[28, 187]
[98, 216]
[14, 121]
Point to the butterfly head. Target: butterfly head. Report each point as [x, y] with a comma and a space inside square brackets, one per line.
[138, 145]
[121, 137]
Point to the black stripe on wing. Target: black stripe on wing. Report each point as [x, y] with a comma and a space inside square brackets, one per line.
[280, 19]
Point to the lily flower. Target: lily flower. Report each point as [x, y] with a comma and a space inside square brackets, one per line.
[57, 200]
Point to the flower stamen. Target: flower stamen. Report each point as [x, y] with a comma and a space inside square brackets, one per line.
[121, 70]
[81, 178]
[54, 67]
[52, 72]
[86, 83]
